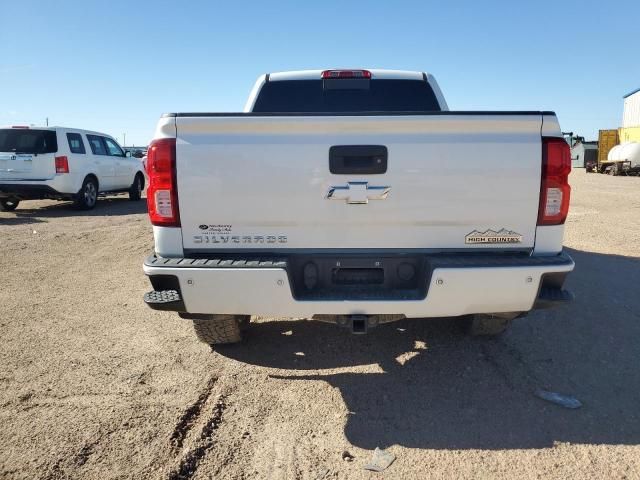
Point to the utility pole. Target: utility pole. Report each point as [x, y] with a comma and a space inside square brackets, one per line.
[124, 139]
[47, 121]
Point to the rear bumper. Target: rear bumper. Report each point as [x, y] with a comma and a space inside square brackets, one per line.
[455, 285]
[25, 191]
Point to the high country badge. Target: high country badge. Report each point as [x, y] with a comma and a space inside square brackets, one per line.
[491, 236]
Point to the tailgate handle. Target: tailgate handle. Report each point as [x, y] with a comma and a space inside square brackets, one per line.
[358, 159]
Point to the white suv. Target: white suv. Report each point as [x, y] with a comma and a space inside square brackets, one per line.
[64, 164]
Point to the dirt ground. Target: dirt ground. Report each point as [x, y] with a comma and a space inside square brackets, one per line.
[95, 385]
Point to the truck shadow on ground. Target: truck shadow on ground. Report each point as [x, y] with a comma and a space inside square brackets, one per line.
[438, 389]
[32, 212]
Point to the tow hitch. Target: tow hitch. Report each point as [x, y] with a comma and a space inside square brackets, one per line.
[358, 324]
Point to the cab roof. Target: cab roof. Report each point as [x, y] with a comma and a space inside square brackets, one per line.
[375, 73]
[54, 128]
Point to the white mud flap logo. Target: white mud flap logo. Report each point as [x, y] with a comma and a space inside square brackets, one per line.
[491, 236]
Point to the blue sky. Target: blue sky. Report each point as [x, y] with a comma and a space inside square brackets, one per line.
[116, 66]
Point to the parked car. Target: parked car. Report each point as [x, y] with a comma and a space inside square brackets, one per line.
[356, 197]
[64, 164]
[135, 152]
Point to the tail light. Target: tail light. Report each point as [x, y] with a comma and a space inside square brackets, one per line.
[162, 194]
[345, 74]
[554, 187]
[62, 164]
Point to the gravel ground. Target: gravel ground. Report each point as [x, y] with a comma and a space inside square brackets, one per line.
[95, 385]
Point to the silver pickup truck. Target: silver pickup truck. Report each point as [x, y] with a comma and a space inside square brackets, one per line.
[356, 197]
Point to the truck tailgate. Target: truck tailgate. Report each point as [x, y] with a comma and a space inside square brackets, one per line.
[452, 181]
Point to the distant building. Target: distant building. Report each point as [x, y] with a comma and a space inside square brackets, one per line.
[630, 130]
[631, 112]
[583, 153]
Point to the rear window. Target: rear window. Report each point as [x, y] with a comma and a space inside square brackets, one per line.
[97, 145]
[76, 145]
[316, 96]
[26, 140]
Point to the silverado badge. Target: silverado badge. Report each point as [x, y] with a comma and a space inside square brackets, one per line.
[491, 236]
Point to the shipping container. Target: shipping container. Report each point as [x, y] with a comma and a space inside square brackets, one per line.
[607, 139]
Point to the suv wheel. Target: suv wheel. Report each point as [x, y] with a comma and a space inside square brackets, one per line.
[9, 204]
[135, 191]
[88, 194]
[218, 329]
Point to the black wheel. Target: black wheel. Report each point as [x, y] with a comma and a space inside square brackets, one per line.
[9, 204]
[613, 171]
[486, 325]
[135, 191]
[219, 329]
[88, 195]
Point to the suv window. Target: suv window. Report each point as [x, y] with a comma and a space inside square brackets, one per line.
[27, 140]
[97, 145]
[339, 96]
[76, 145]
[113, 148]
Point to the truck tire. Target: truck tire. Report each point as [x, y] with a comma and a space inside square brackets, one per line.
[219, 329]
[482, 325]
[135, 190]
[613, 171]
[9, 204]
[87, 197]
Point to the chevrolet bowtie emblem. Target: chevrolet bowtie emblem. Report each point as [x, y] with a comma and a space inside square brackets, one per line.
[357, 192]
